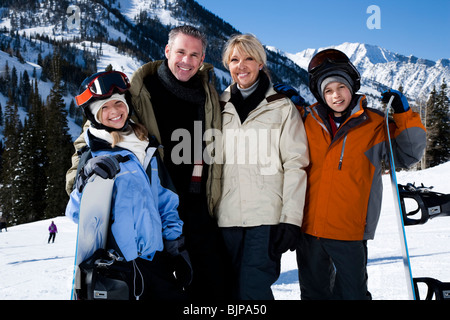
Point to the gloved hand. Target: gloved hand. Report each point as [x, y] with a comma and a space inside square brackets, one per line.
[285, 237]
[104, 166]
[399, 104]
[182, 263]
[291, 93]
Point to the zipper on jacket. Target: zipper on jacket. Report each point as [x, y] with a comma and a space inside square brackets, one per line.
[341, 158]
[342, 153]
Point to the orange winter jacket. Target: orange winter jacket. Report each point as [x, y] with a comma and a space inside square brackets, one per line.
[343, 199]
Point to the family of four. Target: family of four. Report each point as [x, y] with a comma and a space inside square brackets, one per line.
[222, 226]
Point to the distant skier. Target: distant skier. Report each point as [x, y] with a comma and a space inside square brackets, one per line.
[52, 229]
[347, 147]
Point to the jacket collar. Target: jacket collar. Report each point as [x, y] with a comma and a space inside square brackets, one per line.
[150, 68]
[357, 115]
[265, 105]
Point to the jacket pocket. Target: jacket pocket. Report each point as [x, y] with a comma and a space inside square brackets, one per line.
[270, 194]
[267, 120]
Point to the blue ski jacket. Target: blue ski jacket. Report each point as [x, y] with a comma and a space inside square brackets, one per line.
[142, 213]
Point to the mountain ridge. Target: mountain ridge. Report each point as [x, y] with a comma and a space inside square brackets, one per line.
[129, 33]
[380, 67]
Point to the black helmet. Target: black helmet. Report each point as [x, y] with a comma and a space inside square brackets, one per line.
[331, 62]
[99, 86]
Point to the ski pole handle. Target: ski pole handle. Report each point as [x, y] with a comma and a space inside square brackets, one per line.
[390, 102]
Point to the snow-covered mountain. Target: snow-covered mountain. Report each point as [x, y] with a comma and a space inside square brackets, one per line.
[382, 69]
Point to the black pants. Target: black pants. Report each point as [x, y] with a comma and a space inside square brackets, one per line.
[204, 243]
[51, 237]
[332, 269]
[154, 280]
[254, 269]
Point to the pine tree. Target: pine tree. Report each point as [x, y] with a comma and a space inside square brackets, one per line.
[25, 90]
[430, 121]
[1, 165]
[14, 81]
[58, 145]
[1, 115]
[438, 127]
[32, 179]
[40, 161]
[23, 207]
[9, 189]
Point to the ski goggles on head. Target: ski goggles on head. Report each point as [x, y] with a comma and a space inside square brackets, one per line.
[329, 55]
[103, 85]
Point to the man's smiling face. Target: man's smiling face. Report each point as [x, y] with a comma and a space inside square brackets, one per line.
[185, 56]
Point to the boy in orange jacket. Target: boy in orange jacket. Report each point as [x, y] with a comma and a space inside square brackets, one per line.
[347, 143]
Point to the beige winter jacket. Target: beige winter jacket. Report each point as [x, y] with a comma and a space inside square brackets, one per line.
[264, 181]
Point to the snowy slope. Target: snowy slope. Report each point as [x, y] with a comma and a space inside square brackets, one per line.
[132, 8]
[32, 269]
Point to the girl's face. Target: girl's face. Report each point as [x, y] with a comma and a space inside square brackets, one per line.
[113, 114]
[338, 97]
[243, 69]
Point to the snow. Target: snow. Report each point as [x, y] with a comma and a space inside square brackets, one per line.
[32, 269]
[132, 8]
[111, 56]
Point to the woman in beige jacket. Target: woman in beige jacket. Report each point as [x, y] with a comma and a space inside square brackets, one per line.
[264, 183]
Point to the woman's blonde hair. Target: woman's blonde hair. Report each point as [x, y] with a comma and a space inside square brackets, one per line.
[139, 130]
[248, 44]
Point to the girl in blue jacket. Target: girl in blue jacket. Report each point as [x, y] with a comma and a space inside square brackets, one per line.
[144, 217]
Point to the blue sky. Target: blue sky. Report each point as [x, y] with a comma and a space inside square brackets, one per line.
[419, 28]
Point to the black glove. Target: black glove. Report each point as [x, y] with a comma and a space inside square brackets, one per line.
[291, 93]
[104, 166]
[285, 237]
[399, 104]
[182, 263]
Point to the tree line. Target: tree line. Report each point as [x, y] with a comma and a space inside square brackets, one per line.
[35, 154]
[436, 118]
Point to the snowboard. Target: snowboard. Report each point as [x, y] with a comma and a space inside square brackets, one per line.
[398, 208]
[93, 223]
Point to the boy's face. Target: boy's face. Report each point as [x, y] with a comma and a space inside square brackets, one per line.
[338, 97]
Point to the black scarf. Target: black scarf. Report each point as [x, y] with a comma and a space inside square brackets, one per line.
[245, 106]
[193, 92]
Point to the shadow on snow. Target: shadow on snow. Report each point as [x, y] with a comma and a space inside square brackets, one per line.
[35, 260]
